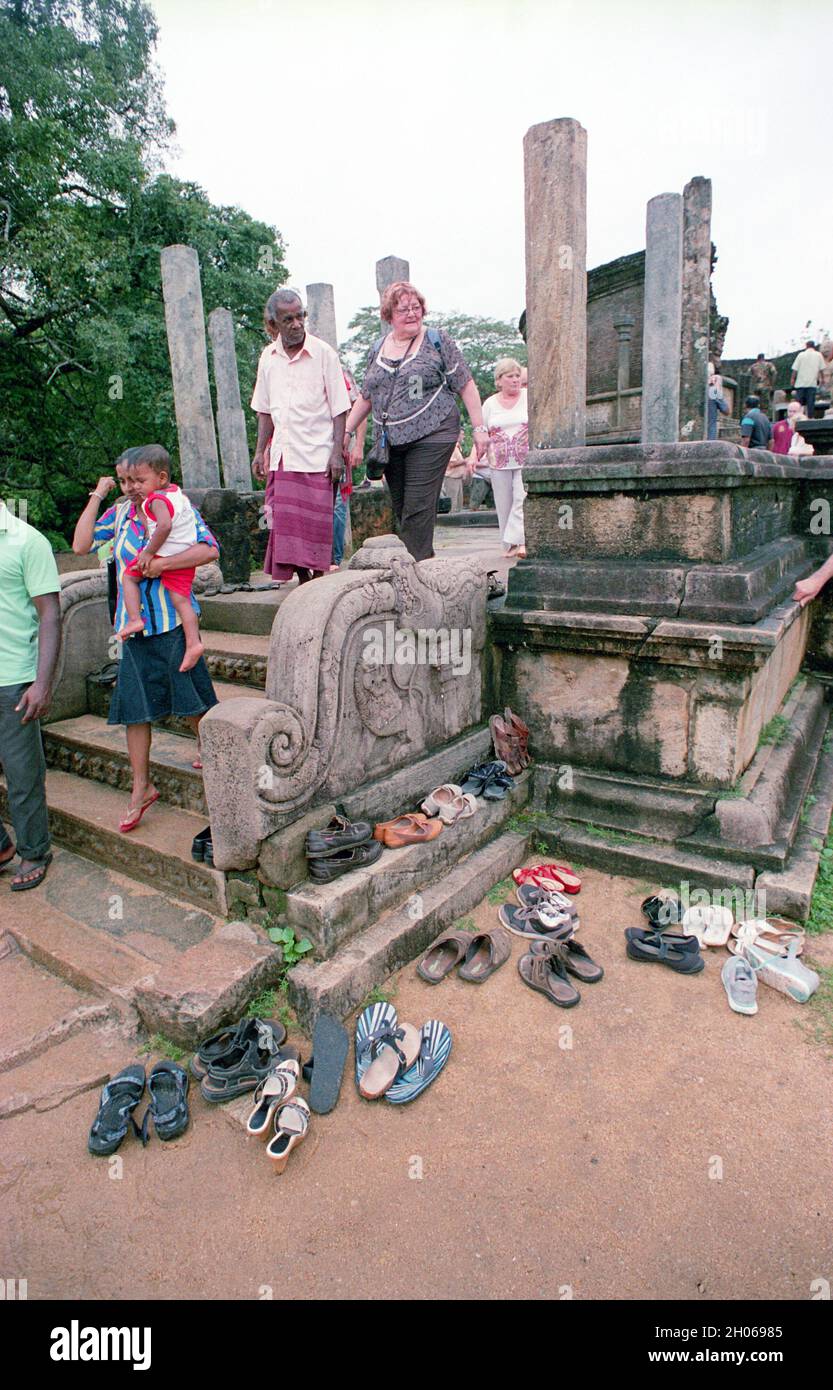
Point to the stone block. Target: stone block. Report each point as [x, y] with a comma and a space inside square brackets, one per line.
[282, 861]
[225, 515]
[243, 888]
[207, 986]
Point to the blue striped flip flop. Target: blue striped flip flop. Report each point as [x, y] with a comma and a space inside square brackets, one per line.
[434, 1052]
[373, 1024]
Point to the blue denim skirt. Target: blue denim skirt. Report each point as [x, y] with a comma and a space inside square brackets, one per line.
[150, 685]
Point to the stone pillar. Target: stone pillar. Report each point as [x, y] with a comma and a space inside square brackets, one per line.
[231, 422]
[189, 367]
[624, 329]
[390, 269]
[662, 326]
[555, 179]
[321, 313]
[694, 356]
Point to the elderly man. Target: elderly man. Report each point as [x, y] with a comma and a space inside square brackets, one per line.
[301, 402]
[30, 642]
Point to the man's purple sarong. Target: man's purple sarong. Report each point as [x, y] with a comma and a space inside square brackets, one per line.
[299, 509]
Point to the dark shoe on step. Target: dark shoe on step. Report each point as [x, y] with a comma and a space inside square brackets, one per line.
[202, 850]
[220, 1044]
[340, 834]
[325, 870]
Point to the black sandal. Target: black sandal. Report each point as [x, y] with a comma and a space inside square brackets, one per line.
[680, 953]
[220, 1044]
[38, 870]
[325, 1067]
[168, 1090]
[119, 1099]
[662, 912]
[243, 1067]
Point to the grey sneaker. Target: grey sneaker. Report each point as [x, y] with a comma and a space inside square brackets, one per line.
[741, 985]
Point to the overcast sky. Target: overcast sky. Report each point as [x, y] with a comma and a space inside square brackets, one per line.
[373, 128]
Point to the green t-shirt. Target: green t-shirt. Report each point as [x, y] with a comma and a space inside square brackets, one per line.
[27, 569]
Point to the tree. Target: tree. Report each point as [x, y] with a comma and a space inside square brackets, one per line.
[84, 214]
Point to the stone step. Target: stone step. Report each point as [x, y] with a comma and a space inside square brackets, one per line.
[236, 657]
[99, 697]
[252, 613]
[618, 802]
[90, 748]
[339, 984]
[330, 913]
[468, 518]
[85, 816]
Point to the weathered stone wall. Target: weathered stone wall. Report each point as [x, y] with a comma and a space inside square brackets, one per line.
[614, 291]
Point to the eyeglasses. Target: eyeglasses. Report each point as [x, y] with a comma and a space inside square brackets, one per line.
[408, 309]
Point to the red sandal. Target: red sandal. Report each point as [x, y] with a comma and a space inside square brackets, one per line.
[551, 876]
[131, 822]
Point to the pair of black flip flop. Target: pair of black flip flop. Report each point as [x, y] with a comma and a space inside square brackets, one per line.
[167, 1087]
[489, 780]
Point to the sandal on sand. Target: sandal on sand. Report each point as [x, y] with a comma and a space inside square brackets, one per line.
[577, 961]
[391, 1055]
[277, 1088]
[371, 1025]
[711, 925]
[678, 953]
[434, 1052]
[326, 1065]
[741, 985]
[546, 971]
[770, 938]
[787, 973]
[443, 955]
[119, 1099]
[662, 909]
[487, 952]
[33, 878]
[6, 856]
[291, 1128]
[439, 797]
[222, 1042]
[168, 1090]
[244, 1066]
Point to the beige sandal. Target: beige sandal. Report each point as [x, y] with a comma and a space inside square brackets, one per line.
[459, 808]
[291, 1128]
[391, 1058]
[274, 1091]
[439, 798]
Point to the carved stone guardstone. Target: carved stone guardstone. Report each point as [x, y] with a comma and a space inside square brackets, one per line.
[368, 670]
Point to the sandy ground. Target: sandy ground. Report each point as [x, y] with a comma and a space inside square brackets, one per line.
[648, 1143]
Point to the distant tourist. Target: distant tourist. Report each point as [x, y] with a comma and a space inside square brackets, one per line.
[507, 419]
[301, 402]
[826, 382]
[412, 376]
[716, 401]
[30, 643]
[344, 490]
[455, 475]
[784, 429]
[763, 375]
[805, 376]
[755, 429]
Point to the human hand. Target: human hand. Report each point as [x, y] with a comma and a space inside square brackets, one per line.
[259, 467]
[154, 566]
[34, 703]
[806, 590]
[481, 445]
[104, 485]
[356, 454]
[335, 467]
[143, 561]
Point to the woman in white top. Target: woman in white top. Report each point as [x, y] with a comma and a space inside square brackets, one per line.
[505, 417]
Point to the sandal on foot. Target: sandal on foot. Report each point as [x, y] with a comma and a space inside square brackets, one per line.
[546, 971]
[487, 952]
[291, 1128]
[443, 955]
[168, 1090]
[132, 821]
[33, 877]
[326, 1065]
[434, 1052]
[273, 1092]
[119, 1099]
[678, 953]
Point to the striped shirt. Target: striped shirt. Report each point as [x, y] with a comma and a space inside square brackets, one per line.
[119, 525]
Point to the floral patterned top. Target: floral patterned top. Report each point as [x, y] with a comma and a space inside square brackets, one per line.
[422, 397]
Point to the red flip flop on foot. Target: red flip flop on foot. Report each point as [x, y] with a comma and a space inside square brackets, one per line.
[131, 822]
[558, 876]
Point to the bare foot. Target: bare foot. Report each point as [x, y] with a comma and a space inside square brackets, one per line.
[521, 552]
[129, 629]
[334, 569]
[192, 656]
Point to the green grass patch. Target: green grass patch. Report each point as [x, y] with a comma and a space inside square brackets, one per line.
[807, 806]
[616, 837]
[775, 730]
[817, 1015]
[159, 1043]
[466, 923]
[263, 1004]
[378, 996]
[501, 891]
[821, 907]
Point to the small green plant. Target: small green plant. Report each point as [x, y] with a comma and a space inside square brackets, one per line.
[821, 906]
[616, 837]
[286, 1016]
[293, 949]
[500, 892]
[817, 1017]
[809, 803]
[377, 996]
[775, 730]
[466, 923]
[159, 1043]
[263, 1004]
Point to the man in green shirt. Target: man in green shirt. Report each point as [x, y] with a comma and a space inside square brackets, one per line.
[30, 642]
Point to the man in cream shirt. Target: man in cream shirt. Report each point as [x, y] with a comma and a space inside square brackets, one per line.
[301, 402]
[805, 376]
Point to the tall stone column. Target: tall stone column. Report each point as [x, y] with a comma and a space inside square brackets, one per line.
[662, 324]
[185, 323]
[694, 356]
[390, 269]
[231, 422]
[624, 330]
[555, 180]
[321, 313]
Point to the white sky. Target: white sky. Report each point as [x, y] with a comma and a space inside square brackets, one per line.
[365, 128]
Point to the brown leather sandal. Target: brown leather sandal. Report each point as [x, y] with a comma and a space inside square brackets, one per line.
[487, 952]
[443, 955]
[520, 730]
[412, 829]
[577, 961]
[545, 971]
[506, 744]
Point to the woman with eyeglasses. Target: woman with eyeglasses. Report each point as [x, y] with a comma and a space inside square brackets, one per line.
[413, 375]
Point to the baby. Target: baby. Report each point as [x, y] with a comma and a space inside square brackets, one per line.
[172, 528]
